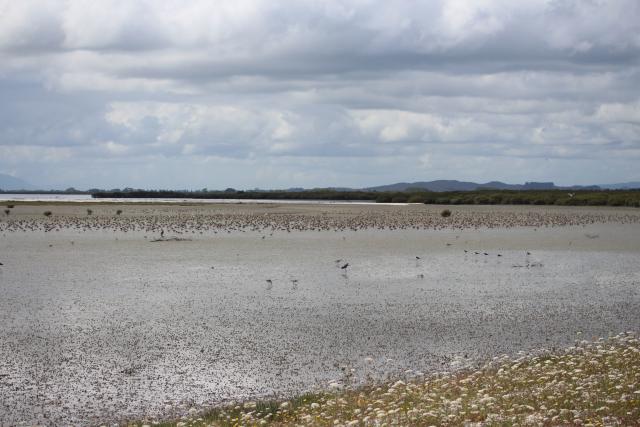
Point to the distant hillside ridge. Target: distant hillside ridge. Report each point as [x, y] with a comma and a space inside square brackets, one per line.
[454, 185]
[622, 185]
[11, 183]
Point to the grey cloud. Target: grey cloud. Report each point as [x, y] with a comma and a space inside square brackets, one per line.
[351, 91]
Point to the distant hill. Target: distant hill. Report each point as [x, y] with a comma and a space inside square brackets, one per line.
[621, 186]
[440, 185]
[11, 183]
[454, 185]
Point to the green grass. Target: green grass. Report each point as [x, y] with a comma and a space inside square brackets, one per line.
[592, 383]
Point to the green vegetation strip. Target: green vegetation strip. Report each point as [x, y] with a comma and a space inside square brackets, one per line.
[481, 197]
[591, 383]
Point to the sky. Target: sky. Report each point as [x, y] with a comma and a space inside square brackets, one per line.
[278, 94]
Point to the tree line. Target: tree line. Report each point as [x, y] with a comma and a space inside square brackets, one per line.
[478, 197]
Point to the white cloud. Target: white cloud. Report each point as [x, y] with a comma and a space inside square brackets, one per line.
[618, 112]
[347, 88]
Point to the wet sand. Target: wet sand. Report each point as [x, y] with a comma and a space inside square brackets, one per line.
[99, 322]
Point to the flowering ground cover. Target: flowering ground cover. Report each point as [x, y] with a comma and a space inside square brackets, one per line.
[593, 383]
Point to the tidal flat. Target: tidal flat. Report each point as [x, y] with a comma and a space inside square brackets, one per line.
[164, 309]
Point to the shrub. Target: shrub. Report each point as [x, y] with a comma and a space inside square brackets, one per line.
[416, 198]
[119, 212]
[495, 199]
[47, 213]
[89, 211]
[516, 200]
[429, 199]
[383, 198]
[597, 201]
[482, 200]
[616, 201]
[399, 198]
[445, 213]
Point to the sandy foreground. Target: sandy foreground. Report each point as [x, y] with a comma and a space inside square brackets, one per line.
[167, 307]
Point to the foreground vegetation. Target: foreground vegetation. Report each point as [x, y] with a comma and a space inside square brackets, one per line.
[591, 383]
[480, 197]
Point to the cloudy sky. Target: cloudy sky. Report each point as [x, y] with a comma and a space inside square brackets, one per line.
[276, 94]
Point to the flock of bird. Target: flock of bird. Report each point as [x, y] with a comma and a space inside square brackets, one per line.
[342, 265]
[200, 221]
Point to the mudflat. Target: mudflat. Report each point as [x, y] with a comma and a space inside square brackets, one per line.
[164, 308]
